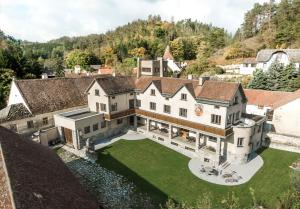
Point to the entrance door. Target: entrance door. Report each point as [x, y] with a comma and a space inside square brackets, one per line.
[68, 136]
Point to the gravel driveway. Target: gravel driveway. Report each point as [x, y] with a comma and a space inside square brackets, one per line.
[111, 189]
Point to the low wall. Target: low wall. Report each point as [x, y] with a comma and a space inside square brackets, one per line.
[283, 142]
[48, 135]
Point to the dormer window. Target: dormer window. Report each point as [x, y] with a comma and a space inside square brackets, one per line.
[183, 97]
[97, 92]
[152, 92]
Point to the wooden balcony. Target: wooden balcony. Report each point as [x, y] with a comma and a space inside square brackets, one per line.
[121, 114]
[165, 118]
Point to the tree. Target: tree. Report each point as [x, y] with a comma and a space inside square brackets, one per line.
[6, 76]
[259, 81]
[126, 66]
[177, 48]
[82, 58]
[55, 64]
[137, 52]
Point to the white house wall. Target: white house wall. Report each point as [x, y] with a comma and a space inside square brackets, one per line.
[176, 103]
[15, 96]
[286, 119]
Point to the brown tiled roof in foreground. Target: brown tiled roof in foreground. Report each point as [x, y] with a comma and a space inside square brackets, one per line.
[38, 178]
[5, 200]
[264, 97]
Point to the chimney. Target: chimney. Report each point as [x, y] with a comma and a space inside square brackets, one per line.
[190, 76]
[44, 76]
[161, 66]
[138, 73]
[202, 80]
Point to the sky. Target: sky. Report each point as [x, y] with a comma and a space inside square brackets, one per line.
[43, 20]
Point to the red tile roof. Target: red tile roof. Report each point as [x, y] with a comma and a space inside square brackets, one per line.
[264, 97]
[168, 54]
[105, 71]
[287, 99]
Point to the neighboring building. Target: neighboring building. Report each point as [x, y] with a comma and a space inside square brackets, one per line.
[281, 109]
[286, 117]
[33, 176]
[204, 117]
[261, 102]
[157, 67]
[266, 57]
[163, 65]
[248, 66]
[32, 103]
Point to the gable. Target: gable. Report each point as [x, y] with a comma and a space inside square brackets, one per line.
[16, 96]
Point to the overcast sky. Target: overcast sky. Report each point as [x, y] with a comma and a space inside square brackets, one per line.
[43, 20]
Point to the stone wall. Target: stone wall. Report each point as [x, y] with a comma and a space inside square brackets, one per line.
[283, 142]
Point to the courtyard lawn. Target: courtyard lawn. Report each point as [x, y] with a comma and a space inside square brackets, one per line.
[162, 172]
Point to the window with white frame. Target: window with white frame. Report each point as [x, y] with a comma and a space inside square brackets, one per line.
[152, 106]
[138, 103]
[152, 92]
[167, 109]
[103, 107]
[114, 107]
[240, 142]
[183, 112]
[216, 119]
[97, 93]
[184, 97]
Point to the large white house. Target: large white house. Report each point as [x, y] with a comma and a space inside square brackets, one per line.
[201, 116]
[266, 57]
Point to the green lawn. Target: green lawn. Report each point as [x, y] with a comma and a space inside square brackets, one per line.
[162, 172]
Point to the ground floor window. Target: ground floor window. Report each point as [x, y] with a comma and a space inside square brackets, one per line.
[119, 121]
[87, 130]
[95, 127]
[30, 124]
[103, 124]
[45, 121]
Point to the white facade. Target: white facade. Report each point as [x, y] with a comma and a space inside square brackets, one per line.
[247, 69]
[235, 147]
[286, 118]
[15, 96]
[266, 58]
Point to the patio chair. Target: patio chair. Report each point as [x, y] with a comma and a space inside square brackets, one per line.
[231, 180]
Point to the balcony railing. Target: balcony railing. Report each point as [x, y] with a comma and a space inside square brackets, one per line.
[169, 119]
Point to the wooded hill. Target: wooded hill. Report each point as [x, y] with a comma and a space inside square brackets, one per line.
[268, 25]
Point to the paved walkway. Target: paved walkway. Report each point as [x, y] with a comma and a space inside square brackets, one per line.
[242, 172]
